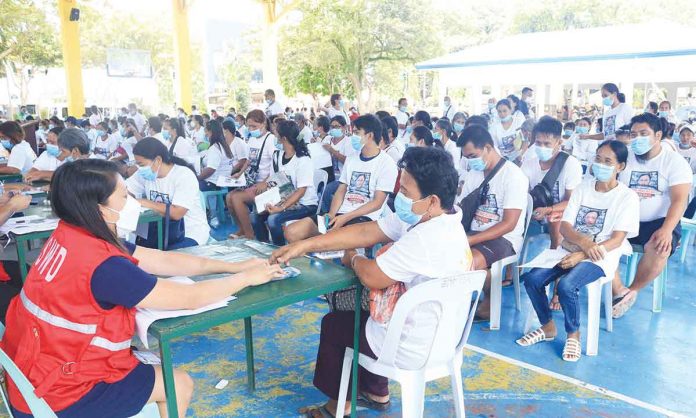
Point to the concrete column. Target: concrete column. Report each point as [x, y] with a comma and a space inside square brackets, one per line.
[70, 43]
[182, 52]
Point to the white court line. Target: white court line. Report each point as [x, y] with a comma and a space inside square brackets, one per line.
[585, 385]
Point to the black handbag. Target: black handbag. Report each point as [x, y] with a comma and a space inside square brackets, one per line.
[253, 170]
[542, 193]
[471, 202]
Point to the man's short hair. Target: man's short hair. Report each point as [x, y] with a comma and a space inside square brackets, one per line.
[433, 170]
[549, 126]
[477, 135]
[369, 124]
[155, 123]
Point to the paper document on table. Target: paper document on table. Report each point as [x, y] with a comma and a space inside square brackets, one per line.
[27, 224]
[229, 181]
[547, 259]
[320, 156]
[269, 197]
[145, 317]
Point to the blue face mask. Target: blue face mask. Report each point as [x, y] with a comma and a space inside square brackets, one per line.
[602, 172]
[278, 145]
[568, 132]
[269, 101]
[341, 102]
[477, 164]
[315, 134]
[409, 129]
[491, 106]
[123, 132]
[7, 144]
[437, 136]
[237, 125]
[166, 135]
[356, 142]
[582, 129]
[336, 133]
[607, 101]
[663, 113]
[403, 108]
[403, 207]
[147, 173]
[641, 145]
[51, 126]
[507, 118]
[99, 133]
[69, 159]
[52, 150]
[676, 137]
[458, 127]
[544, 154]
[255, 133]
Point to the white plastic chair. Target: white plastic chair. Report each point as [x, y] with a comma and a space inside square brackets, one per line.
[321, 178]
[497, 275]
[659, 284]
[38, 406]
[452, 295]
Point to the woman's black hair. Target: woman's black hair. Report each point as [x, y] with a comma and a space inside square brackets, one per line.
[585, 119]
[656, 124]
[613, 89]
[434, 173]
[381, 114]
[423, 133]
[446, 125]
[653, 107]
[389, 124]
[57, 130]
[78, 189]
[569, 125]
[105, 125]
[476, 120]
[180, 133]
[199, 119]
[151, 148]
[618, 148]
[340, 119]
[324, 123]
[289, 130]
[57, 121]
[217, 137]
[424, 117]
[229, 126]
[504, 102]
[13, 130]
[519, 104]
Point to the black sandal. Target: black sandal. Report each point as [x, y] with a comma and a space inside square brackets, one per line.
[309, 412]
[365, 401]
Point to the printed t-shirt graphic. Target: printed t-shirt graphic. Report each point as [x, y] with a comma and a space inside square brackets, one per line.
[488, 211]
[159, 197]
[590, 221]
[359, 188]
[609, 126]
[645, 184]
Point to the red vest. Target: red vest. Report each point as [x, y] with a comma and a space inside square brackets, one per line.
[57, 333]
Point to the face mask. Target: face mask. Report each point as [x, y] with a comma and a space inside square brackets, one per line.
[166, 135]
[447, 104]
[663, 113]
[278, 145]
[544, 154]
[52, 150]
[336, 133]
[491, 106]
[437, 136]
[128, 216]
[69, 159]
[269, 101]
[507, 118]
[582, 129]
[192, 125]
[356, 142]
[341, 102]
[684, 146]
[568, 132]
[147, 173]
[99, 133]
[602, 172]
[458, 127]
[403, 109]
[237, 125]
[477, 164]
[607, 101]
[315, 134]
[51, 126]
[255, 133]
[641, 145]
[7, 144]
[404, 209]
[409, 129]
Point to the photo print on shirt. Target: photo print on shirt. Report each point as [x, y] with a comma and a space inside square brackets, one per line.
[590, 221]
[645, 184]
[159, 197]
[610, 125]
[359, 188]
[488, 211]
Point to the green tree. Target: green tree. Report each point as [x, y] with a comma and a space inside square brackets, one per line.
[27, 42]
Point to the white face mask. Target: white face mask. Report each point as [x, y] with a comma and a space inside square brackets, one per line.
[128, 217]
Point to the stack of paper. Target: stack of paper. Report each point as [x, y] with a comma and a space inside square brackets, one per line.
[145, 317]
[547, 259]
[27, 224]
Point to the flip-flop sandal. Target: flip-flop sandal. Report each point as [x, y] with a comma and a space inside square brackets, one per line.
[623, 304]
[572, 351]
[366, 402]
[507, 283]
[310, 412]
[552, 304]
[534, 337]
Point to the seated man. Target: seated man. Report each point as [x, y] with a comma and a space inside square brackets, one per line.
[425, 213]
[662, 180]
[49, 160]
[498, 226]
[366, 180]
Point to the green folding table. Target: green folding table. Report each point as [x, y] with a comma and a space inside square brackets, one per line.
[317, 278]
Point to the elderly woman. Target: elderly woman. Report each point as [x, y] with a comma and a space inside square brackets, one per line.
[425, 213]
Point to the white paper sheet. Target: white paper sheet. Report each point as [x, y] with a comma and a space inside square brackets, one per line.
[320, 157]
[145, 317]
[547, 259]
[27, 224]
[270, 196]
[229, 181]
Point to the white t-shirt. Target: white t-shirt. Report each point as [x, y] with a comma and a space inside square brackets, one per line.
[306, 134]
[273, 109]
[158, 136]
[505, 139]
[300, 171]
[199, 135]
[180, 188]
[139, 120]
[453, 150]
[103, 148]
[419, 254]
[401, 119]
[600, 214]
[46, 162]
[185, 148]
[652, 180]
[449, 112]
[396, 150]
[568, 179]
[21, 157]
[364, 178]
[690, 157]
[331, 112]
[344, 147]
[615, 118]
[127, 144]
[506, 190]
[584, 149]
[255, 145]
[518, 118]
[94, 119]
[218, 161]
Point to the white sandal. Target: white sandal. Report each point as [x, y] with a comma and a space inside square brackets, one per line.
[572, 351]
[534, 337]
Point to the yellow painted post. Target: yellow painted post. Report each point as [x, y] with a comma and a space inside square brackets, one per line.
[182, 49]
[70, 41]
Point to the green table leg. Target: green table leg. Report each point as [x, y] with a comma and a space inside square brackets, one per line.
[22, 257]
[356, 352]
[160, 234]
[249, 342]
[168, 376]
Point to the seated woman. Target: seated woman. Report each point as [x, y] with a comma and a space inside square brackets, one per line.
[601, 215]
[425, 212]
[21, 155]
[240, 150]
[390, 143]
[49, 160]
[163, 180]
[94, 278]
[105, 144]
[218, 158]
[182, 146]
[292, 158]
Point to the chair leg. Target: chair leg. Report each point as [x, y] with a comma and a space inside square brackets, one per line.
[345, 379]
[496, 295]
[457, 390]
[594, 296]
[608, 299]
[659, 290]
[684, 245]
[412, 398]
[631, 269]
[516, 284]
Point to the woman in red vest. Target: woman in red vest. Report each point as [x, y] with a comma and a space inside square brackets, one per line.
[70, 329]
